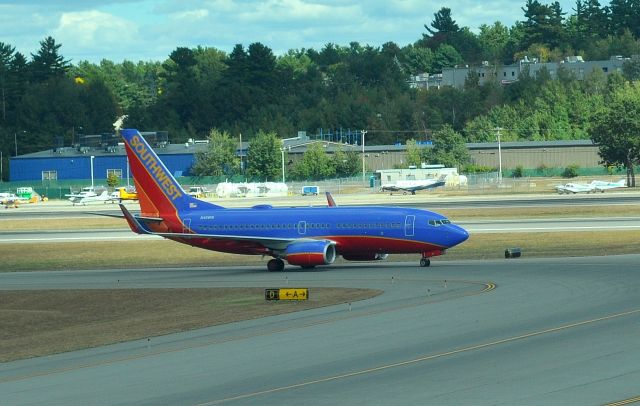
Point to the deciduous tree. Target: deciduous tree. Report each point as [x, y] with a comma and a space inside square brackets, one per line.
[616, 130]
[219, 158]
[264, 157]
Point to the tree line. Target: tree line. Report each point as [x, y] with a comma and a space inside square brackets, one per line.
[46, 101]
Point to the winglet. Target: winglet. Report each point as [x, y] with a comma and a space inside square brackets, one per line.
[330, 201]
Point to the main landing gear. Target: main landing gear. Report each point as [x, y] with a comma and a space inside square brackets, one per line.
[425, 261]
[275, 265]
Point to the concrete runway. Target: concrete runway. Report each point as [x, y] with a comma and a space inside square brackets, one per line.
[524, 331]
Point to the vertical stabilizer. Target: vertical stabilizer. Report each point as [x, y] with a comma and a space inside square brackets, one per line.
[159, 193]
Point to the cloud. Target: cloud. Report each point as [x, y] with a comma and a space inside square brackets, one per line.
[152, 29]
[94, 32]
[191, 15]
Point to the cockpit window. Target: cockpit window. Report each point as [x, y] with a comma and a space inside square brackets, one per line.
[440, 222]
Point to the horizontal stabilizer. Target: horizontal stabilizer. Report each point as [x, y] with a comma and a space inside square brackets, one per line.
[138, 226]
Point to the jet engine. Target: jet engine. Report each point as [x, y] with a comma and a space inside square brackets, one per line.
[365, 257]
[311, 253]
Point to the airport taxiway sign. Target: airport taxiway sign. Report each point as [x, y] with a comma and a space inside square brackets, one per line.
[287, 294]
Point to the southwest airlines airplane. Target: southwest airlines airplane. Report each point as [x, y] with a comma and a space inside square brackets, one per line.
[302, 236]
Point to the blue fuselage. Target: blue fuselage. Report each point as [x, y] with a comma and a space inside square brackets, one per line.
[353, 229]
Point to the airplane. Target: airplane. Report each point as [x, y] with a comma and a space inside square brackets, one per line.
[574, 188]
[11, 200]
[88, 195]
[124, 194]
[412, 186]
[601, 186]
[301, 236]
[593, 187]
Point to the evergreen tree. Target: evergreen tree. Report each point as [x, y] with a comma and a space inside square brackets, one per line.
[48, 62]
[6, 58]
[544, 24]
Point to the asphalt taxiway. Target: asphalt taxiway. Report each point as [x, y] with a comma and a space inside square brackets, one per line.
[524, 331]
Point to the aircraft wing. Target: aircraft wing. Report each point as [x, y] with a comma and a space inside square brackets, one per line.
[139, 225]
[414, 188]
[390, 188]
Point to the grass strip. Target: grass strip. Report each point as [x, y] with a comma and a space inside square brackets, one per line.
[36, 323]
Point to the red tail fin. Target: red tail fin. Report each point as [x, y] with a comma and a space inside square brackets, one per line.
[159, 193]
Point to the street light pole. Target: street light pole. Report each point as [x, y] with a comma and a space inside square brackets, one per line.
[92, 172]
[15, 141]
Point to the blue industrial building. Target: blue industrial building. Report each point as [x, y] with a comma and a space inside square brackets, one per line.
[71, 163]
[43, 166]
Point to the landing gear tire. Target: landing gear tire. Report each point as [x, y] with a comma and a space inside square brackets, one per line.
[275, 265]
[425, 262]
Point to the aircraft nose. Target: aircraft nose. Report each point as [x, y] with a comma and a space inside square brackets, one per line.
[458, 235]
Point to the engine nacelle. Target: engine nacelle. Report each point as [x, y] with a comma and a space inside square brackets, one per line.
[365, 257]
[311, 253]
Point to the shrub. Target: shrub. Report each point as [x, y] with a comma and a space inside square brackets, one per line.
[518, 172]
[570, 171]
[472, 168]
[542, 169]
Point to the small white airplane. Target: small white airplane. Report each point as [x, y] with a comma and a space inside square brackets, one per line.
[88, 195]
[412, 186]
[593, 187]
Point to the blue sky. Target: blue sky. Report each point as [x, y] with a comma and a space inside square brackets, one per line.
[150, 29]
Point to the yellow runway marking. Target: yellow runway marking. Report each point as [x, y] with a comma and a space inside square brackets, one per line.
[432, 356]
[625, 402]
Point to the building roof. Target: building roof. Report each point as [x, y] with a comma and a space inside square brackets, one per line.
[293, 147]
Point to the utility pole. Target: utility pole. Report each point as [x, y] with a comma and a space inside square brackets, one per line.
[282, 153]
[240, 154]
[363, 169]
[499, 156]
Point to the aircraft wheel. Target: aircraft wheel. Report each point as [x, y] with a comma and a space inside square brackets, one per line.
[425, 262]
[275, 265]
